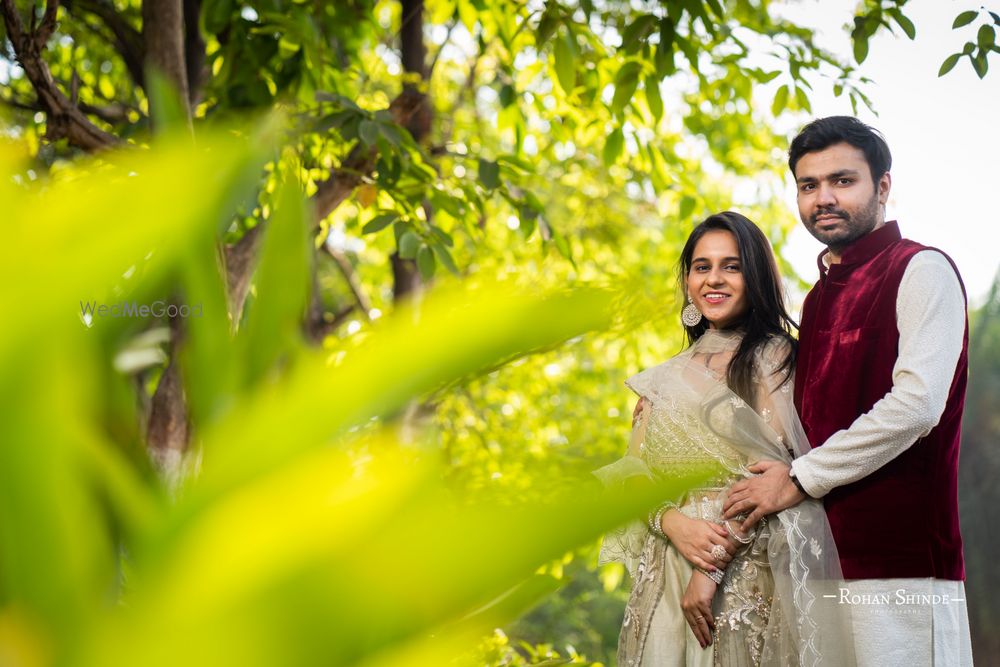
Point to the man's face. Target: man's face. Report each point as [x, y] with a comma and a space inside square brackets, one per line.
[838, 202]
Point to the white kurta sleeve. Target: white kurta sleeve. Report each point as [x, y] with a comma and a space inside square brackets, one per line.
[930, 316]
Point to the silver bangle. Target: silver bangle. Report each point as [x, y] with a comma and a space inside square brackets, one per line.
[714, 576]
[742, 540]
[655, 519]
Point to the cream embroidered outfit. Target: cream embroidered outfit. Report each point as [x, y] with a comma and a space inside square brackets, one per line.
[769, 607]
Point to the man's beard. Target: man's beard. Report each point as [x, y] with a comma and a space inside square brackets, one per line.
[853, 228]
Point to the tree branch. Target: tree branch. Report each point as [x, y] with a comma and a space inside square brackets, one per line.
[320, 324]
[346, 270]
[437, 54]
[239, 260]
[112, 114]
[17, 104]
[64, 119]
[127, 40]
[48, 24]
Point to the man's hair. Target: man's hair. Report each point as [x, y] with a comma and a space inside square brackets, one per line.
[825, 132]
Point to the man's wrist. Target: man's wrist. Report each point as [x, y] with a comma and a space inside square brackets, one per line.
[797, 482]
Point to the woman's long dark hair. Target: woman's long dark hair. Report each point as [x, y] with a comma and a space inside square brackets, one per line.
[766, 316]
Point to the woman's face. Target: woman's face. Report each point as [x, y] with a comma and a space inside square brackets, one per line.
[715, 281]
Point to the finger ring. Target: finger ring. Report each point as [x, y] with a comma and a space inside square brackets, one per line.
[698, 618]
[718, 552]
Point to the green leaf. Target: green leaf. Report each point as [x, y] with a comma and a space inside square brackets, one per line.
[546, 27]
[168, 111]
[426, 263]
[534, 202]
[409, 242]
[528, 219]
[767, 77]
[613, 146]
[949, 63]
[664, 58]
[996, 17]
[562, 245]
[489, 174]
[317, 496]
[668, 31]
[282, 284]
[391, 133]
[653, 98]
[660, 172]
[968, 49]
[980, 64]
[904, 22]
[686, 207]
[780, 101]
[368, 132]
[986, 36]
[443, 236]
[860, 46]
[379, 222]
[872, 23]
[216, 14]
[638, 30]
[965, 18]
[626, 81]
[210, 363]
[690, 48]
[517, 163]
[469, 15]
[564, 64]
[76, 490]
[507, 95]
[520, 599]
[444, 256]
[803, 99]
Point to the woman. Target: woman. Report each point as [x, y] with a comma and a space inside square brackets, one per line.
[703, 592]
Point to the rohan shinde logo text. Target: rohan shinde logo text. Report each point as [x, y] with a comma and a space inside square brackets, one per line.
[900, 596]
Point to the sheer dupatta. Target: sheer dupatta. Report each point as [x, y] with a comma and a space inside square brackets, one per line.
[689, 401]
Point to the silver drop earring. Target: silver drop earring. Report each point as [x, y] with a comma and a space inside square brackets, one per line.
[691, 316]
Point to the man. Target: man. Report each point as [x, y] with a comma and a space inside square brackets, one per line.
[880, 387]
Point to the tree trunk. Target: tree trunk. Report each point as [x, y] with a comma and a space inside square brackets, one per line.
[167, 431]
[164, 35]
[413, 52]
[407, 283]
[194, 51]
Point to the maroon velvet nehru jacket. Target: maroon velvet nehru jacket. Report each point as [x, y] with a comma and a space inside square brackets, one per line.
[902, 520]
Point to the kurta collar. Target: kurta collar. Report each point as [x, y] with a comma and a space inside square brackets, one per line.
[866, 247]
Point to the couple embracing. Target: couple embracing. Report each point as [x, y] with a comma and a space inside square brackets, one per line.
[831, 534]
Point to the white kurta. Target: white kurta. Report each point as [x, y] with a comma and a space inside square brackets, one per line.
[930, 316]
